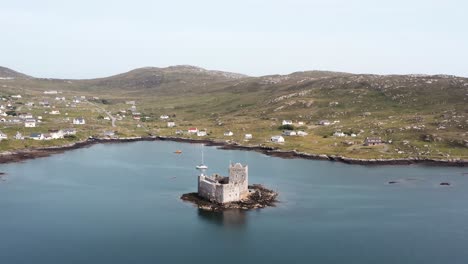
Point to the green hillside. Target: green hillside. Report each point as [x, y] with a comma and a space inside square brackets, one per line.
[416, 115]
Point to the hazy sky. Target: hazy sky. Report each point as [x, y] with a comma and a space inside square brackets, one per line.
[96, 38]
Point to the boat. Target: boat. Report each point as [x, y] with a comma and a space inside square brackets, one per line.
[202, 166]
[178, 152]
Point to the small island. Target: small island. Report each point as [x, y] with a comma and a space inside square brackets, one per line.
[217, 193]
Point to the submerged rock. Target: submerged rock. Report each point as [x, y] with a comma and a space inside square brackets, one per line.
[444, 184]
[259, 197]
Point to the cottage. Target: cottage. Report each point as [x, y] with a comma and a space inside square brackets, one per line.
[36, 136]
[339, 134]
[201, 133]
[16, 96]
[51, 92]
[55, 134]
[171, 124]
[289, 133]
[69, 131]
[300, 123]
[287, 122]
[324, 123]
[25, 116]
[106, 118]
[192, 130]
[19, 136]
[130, 102]
[29, 104]
[79, 121]
[136, 116]
[228, 134]
[3, 136]
[30, 123]
[55, 112]
[248, 136]
[277, 139]
[372, 141]
[164, 117]
[302, 133]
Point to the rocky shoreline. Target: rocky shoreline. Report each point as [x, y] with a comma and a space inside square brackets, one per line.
[20, 155]
[260, 197]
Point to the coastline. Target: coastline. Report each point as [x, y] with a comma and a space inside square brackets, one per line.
[25, 154]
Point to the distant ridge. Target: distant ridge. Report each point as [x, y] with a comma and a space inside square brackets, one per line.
[6, 73]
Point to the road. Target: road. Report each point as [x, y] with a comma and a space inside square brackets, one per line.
[113, 119]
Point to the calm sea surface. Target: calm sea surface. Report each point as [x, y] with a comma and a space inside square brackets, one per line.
[119, 203]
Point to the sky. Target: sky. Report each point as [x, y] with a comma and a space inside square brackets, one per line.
[98, 38]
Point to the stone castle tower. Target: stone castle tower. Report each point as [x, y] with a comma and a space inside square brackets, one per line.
[221, 189]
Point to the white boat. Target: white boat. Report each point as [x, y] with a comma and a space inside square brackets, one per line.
[202, 166]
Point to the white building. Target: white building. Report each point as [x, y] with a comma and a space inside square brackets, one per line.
[171, 124]
[228, 134]
[339, 134]
[55, 112]
[51, 92]
[19, 136]
[289, 133]
[16, 96]
[79, 121]
[30, 123]
[3, 136]
[56, 134]
[277, 139]
[324, 123]
[201, 133]
[302, 133]
[300, 123]
[248, 136]
[37, 136]
[164, 117]
[287, 122]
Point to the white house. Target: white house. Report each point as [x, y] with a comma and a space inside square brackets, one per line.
[324, 123]
[3, 136]
[339, 134]
[56, 134]
[29, 104]
[300, 123]
[171, 124]
[26, 116]
[287, 122]
[228, 134]
[79, 121]
[51, 92]
[106, 118]
[19, 136]
[192, 130]
[277, 139]
[289, 133]
[248, 136]
[16, 96]
[201, 133]
[302, 133]
[69, 131]
[164, 117]
[30, 123]
[54, 112]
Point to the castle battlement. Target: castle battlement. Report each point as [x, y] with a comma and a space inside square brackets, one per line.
[221, 189]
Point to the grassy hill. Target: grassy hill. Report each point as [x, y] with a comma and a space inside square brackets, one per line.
[420, 115]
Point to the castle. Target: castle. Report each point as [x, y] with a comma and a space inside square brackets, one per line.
[221, 189]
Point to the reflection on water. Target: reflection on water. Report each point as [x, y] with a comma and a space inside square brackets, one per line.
[228, 218]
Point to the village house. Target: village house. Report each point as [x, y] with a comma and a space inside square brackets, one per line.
[30, 123]
[372, 141]
[47, 136]
[56, 134]
[248, 136]
[130, 102]
[60, 98]
[171, 124]
[324, 123]
[36, 136]
[69, 131]
[289, 133]
[228, 134]
[339, 134]
[106, 118]
[51, 92]
[302, 133]
[16, 96]
[277, 139]
[287, 122]
[3, 136]
[54, 112]
[179, 132]
[29, 104]
[201, 133]
[19, 136]
[300, 123]
[79, 121]
[192, 130]
[164, 117]
[136, 116]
